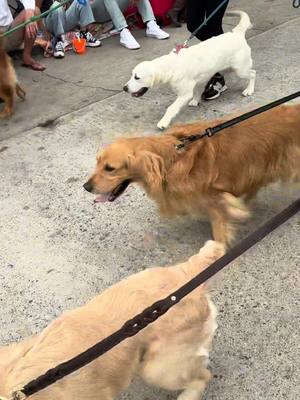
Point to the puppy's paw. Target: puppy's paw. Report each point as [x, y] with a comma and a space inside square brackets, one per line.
[248, 92]
[163, 124]
[194, 103]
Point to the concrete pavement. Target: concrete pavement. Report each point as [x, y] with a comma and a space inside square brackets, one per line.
[57, 250]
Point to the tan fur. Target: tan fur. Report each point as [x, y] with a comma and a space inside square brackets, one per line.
[214, 176]
[171, 353]
[8, 83]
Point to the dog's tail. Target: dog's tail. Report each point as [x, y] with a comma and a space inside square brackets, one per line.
[209, 253]
[244, 23]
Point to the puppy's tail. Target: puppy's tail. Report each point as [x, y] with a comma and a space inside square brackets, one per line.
[244, 23]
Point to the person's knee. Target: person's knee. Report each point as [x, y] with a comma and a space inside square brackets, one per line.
[37, 11]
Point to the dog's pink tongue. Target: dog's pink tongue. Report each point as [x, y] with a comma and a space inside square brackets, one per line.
[102, 198]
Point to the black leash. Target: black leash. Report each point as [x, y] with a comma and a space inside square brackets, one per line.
[209, 132]
[150, 314]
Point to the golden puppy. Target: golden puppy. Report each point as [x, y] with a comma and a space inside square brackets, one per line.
[172, 353]
[213, 176]
[8, 83]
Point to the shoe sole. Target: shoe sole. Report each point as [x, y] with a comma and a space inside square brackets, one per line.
[129, 48]
[59, 56]
[91, 46]
[217, 95]
[159, 38]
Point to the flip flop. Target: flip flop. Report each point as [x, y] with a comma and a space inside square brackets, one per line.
[34, 66]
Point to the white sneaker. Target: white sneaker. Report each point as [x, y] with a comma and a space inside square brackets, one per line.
[127, 40]
[59, 50]
[153, 30]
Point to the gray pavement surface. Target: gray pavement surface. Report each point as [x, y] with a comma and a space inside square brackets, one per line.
[57, 250]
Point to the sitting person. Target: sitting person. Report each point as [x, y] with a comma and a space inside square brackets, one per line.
[114, 9]
[67, 18]
[9, 18]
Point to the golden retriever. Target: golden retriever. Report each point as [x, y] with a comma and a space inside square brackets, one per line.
[8, 83]
[172, 353]
[213, 176]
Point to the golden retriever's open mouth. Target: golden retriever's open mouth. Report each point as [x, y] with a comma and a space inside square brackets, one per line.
[111, 196]
[140, 92]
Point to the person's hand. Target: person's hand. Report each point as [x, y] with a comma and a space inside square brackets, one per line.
[31, 29]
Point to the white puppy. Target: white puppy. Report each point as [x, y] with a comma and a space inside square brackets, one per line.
[186, 70]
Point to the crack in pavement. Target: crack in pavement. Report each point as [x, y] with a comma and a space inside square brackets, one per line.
[82, 86]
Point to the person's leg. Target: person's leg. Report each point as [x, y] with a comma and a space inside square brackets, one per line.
[146, 12]
[56, 24]
[195, 14]
[126, 38]
[116, 14]
[78, 14]
[175, 12]
[214, 25]
[28, 61]
[82, 15]
[197, 10]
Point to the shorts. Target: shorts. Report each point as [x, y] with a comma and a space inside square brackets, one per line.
[14, 41]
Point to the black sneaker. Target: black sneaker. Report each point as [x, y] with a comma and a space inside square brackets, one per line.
[215, 86]
[91, 41]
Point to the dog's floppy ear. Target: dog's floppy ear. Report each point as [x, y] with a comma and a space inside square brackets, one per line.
[148, 168]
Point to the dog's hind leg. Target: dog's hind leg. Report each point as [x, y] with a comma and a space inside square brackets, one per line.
[251, 85]
[246, 72]
[225, 212]
[8, 97]
[175, 108]
[20, 92]
[195, 389]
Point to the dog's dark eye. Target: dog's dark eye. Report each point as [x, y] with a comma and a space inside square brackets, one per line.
[136, 77]
[108, 168]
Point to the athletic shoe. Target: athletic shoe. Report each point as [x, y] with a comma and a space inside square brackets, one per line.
[127, 40]
[91, 41]
[59, 50]
[215, 86]
[154, 31]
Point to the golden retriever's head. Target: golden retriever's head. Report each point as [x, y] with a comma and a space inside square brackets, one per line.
[120, 164]
[142, 78]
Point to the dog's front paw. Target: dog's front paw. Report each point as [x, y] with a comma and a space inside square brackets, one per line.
[194, 103]
[248, 92]
[163, 124]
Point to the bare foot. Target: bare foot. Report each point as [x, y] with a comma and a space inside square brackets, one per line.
[30, 63]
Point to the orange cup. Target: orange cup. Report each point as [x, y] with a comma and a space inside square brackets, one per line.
[79, 45]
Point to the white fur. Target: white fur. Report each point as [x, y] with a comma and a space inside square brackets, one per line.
[192, 67]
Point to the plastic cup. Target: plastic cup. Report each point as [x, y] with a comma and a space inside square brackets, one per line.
[79, 45]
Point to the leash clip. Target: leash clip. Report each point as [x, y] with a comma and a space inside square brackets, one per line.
[182, 145]
[209, 132]
[179, 47]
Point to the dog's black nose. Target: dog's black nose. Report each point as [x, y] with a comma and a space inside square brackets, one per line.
[125, 88]
[88, 186]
